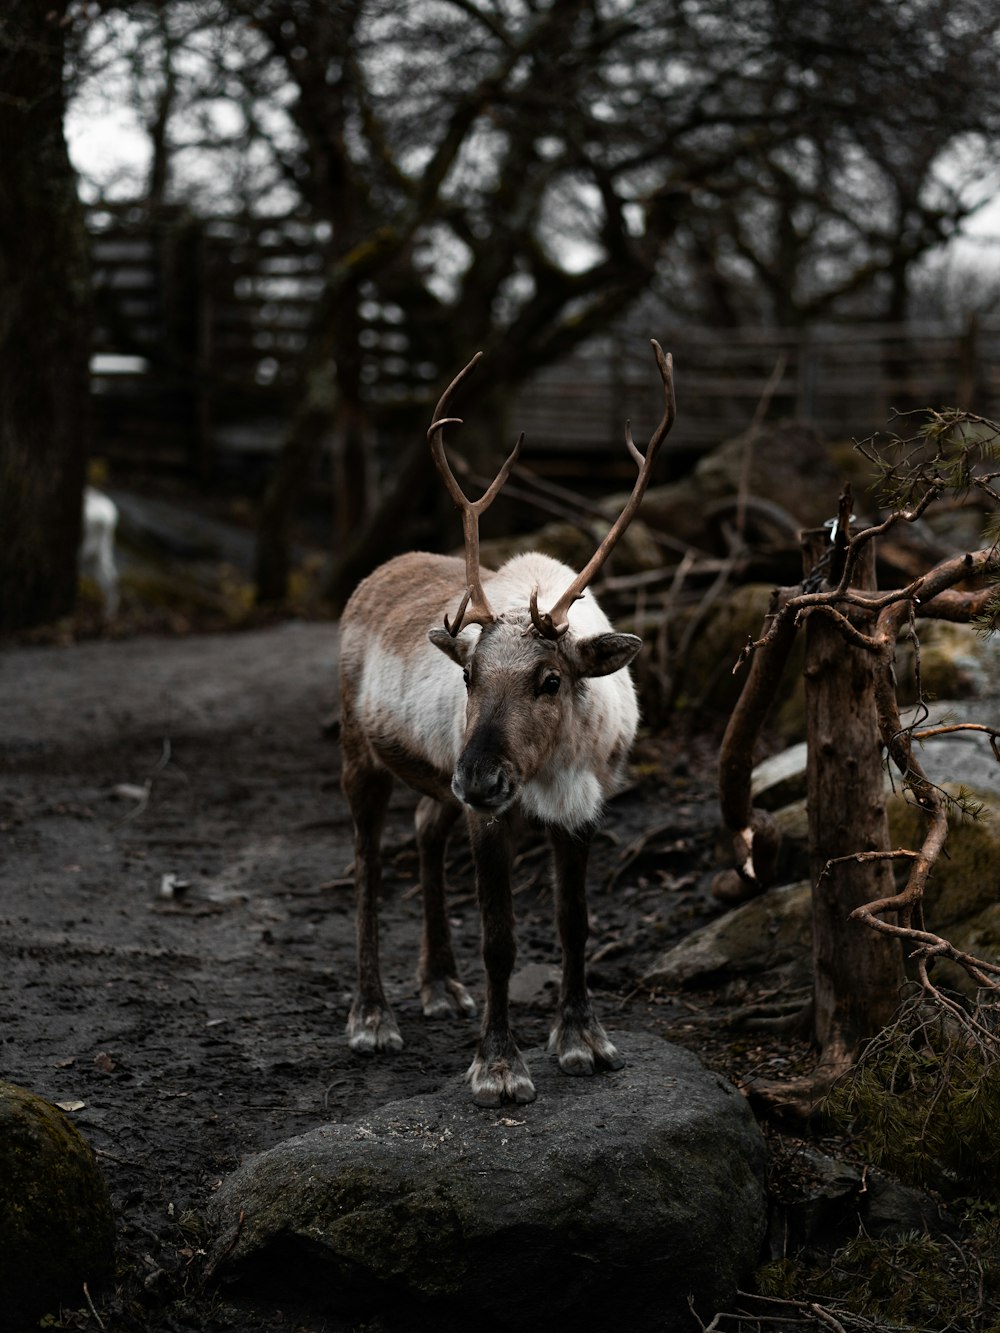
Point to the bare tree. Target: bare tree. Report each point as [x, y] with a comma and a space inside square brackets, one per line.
[513, 177]
[853, 718]
[44, 325]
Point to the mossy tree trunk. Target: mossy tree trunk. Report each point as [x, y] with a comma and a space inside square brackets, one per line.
[44, 325]
[857, 972]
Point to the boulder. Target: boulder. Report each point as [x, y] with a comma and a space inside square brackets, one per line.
[56, 1225]
[822, 1201]
[790, 461]
[956, 662]
[708, 678]
[967, 879]
[569, 543]
[609, 1201]
[781, 779]
[768, 933]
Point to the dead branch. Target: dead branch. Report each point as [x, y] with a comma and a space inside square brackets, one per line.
[849, 631]
[755, 835]
[950, 728]
[753, 831]
[958, 607]
[760, 412]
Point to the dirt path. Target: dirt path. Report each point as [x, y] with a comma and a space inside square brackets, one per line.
[203, 1022]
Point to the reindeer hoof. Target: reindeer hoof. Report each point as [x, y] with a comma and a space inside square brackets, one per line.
[446, 997]
[372, 1028]
[581, 1050]
[500, 1080]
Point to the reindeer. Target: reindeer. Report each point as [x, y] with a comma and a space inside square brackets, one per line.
[505, 707]
[97, 547]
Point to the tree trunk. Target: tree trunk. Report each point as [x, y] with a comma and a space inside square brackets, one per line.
[384, 532]
[857, 972]
[44, 326]
[287, 486]
[332, 408]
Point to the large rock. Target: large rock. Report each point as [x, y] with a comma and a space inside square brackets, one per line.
[708, 679]
[56, 1225]
[956, 662]
[574, 545]
[790, 462]
[770, 933]
[607, 1202]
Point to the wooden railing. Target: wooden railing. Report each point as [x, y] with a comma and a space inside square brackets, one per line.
[201, 329]
[846, 380]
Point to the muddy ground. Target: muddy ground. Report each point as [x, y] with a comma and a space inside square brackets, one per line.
[176, 928]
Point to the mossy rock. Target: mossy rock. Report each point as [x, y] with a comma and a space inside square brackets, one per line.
[772, 932]
[790, 462]
[56, 1224]
[978, 936]
[956, 662]
[966, 880]
[709, 681]
[611, 1201]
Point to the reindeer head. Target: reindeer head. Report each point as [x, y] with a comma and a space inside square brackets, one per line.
[525, 693]
[527, 671]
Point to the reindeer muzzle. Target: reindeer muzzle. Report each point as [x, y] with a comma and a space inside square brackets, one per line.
[483, 779]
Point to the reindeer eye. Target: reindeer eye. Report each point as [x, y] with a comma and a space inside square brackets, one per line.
[550, 683]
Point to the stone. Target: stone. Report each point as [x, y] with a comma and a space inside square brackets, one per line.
[56, 1224]
[781, 779]
[535, 983]
[772, 931]
[966, 879]
[608, 1201]
[956, 662]
[790, 461]
[636, 550]
[708, 680]
[824, 1202]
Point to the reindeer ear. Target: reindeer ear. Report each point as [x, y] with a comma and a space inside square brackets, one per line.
[603, 654]
[458, 649]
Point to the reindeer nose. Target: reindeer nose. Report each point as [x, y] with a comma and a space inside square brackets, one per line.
[481, 787]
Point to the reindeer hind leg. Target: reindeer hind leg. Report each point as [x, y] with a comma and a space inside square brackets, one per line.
[371, 1025]
[442, 994]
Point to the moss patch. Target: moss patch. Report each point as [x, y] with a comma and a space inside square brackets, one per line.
[925, 1100]
[914, 1282]
[966, 880]
[56, 1226]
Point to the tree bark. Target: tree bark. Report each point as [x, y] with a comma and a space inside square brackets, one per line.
[44, 326]
[857, 975]
[299, 452]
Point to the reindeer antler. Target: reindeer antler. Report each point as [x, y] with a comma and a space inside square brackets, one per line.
[479, 612]
[554, 624]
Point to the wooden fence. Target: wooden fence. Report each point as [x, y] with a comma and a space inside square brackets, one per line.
[201, 328]
[200, 331]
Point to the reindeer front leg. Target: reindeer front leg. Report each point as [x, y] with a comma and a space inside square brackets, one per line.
[498, 1073]
[576, 1037]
